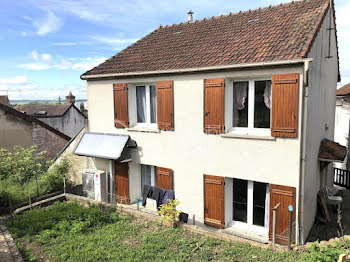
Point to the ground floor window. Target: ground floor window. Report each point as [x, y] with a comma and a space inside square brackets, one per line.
[148, 176]
[250, 202]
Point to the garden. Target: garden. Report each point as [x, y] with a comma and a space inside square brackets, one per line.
[25, 173]
[70, 232]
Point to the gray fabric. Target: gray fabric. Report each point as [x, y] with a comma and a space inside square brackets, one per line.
[153, 98]
[240, 90]
[268, 95]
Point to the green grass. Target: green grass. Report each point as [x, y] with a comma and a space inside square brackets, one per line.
[69, 232]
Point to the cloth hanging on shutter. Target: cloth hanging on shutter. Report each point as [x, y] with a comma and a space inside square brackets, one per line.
[214, 106]
[285, 102]
[121, 115]
[165, 105]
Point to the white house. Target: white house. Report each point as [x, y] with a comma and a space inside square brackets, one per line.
[228, 111]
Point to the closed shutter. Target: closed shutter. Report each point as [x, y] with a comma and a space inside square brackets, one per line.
[214, 188]
[214, 104]
[285, 101]
[165, 178]
[165, 105]
[121, 116]
[122, 183]
[285, 196]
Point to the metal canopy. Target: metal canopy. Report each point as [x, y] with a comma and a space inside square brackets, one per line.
[108, 146]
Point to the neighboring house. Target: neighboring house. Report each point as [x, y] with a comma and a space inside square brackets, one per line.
[228, 111]
[66, 118]
[18, 129]
[342, 121]
[4, 100]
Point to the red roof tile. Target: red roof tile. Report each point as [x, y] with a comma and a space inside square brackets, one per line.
[343, 91]
[330, 150]
[274, 33]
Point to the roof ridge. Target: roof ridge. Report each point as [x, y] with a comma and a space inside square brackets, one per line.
[237, 13]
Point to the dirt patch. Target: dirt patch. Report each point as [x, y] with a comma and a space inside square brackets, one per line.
[31, 247]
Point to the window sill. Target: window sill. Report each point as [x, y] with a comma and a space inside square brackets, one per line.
[144, 129]
[249, 136]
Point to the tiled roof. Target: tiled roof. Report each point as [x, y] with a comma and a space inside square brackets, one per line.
[330, 150]
[25, 117]
[274, 33]
[51, 110]
[343, 91]
[4, 100]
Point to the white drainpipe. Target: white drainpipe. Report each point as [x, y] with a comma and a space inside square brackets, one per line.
[300, 238]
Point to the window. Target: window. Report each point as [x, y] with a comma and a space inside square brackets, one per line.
[148, 176]
[146, 103]
[250, 202]
[251, 105]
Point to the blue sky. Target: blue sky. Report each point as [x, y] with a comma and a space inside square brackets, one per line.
[47, 44]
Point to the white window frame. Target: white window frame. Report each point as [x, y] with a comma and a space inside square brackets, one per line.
[249, 226]
[148, 123]
[250, 130]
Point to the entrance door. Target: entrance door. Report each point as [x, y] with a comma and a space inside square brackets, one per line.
[214, 188]
[285, 196]
[122, 183]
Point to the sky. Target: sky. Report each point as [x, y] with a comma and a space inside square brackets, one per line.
[45, 45]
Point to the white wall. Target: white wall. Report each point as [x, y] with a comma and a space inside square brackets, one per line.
[321, 111]
[341, 130]
[192, 153]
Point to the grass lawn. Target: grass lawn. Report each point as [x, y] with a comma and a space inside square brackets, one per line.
[69, 232]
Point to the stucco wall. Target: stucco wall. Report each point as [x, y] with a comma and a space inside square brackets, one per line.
[14, 131]
[341, 130]
[323, 76]
[70, 123]
[190, 152]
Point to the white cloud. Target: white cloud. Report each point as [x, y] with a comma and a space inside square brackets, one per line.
[64, 44]
[49, 24]
[113, 40]
[17, 80]
[47, 61]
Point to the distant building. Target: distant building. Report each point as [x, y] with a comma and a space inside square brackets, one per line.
[18, 129]
[4, 100]
[66, 118]
[342, 122]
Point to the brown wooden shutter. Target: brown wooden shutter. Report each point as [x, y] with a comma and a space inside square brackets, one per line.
[285, 196]
[122, 183]
[165, 178]
[214, 105]
[214, 212]
[121, 116]
[165, 105]
[285, 101]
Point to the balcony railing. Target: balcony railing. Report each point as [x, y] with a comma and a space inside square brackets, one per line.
[342, 177]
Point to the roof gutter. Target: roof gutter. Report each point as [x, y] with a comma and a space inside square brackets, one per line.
[200, 69]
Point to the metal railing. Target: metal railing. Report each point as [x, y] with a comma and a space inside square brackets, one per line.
[342, 177]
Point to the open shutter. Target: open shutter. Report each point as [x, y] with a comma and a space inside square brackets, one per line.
[165, 105]
[285, 196]
[285, 101]
[165, 178]
[122, 183]
[121, 116]
[214, 104]
[214, 188]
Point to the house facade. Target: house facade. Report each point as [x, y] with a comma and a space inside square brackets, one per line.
[66, 118]
[18, 129]
[230, 119]
[342, 122]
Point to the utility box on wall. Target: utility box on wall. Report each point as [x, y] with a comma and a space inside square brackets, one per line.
[95, 184]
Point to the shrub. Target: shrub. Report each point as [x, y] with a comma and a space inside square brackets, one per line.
[169, 212]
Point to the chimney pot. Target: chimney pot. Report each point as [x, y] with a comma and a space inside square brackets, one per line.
[190, 16]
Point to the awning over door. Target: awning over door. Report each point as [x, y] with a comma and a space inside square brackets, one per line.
[108, 146]
[331, 151]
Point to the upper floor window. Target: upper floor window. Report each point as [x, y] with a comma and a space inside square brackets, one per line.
[146, 104]
[251, 104]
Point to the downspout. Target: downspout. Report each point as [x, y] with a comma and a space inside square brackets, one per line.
[303, 152]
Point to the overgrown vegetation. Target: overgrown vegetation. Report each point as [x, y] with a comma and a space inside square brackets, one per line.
[69, 232]
[24, 172]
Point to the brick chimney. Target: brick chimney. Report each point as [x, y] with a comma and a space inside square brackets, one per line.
[70, 99]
